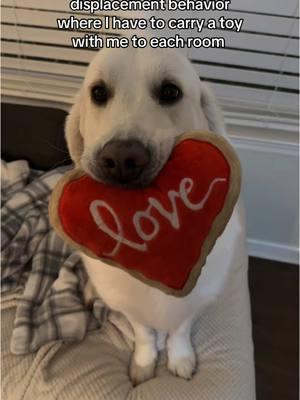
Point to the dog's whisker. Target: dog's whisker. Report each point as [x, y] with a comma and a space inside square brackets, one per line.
[56, 148]
[62, 162]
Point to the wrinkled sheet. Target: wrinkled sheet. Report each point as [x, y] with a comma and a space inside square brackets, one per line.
[46, 273]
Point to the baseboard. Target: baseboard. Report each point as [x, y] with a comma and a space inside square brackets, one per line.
[273, 251]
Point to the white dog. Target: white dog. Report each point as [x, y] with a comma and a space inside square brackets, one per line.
[121, 130]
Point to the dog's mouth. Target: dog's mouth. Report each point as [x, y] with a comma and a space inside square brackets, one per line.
[137, 183]
[141, 181]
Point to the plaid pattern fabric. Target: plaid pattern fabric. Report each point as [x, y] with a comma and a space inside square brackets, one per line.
[38, 266]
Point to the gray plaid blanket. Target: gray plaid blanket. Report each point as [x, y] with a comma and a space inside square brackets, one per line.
[38, 267]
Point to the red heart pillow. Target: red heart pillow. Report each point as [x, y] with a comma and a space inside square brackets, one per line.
[161, 234]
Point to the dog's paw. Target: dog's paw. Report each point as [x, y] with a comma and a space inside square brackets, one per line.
[183, 366]
[141, 373]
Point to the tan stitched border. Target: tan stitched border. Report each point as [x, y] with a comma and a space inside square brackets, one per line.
[216, 230]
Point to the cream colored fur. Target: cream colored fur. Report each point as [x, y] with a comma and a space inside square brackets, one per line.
[132, 73]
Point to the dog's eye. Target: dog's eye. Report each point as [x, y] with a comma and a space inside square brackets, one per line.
[169, 93]
[100, 94]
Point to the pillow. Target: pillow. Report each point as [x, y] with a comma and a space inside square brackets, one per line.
[160, 234]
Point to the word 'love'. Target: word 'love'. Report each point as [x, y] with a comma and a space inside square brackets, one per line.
[185, 188]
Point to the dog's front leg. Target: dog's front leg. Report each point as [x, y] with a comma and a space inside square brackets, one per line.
[143, 362]
[181, 355]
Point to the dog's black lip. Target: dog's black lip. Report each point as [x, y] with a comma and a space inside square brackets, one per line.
[134, 185]
[140, 183]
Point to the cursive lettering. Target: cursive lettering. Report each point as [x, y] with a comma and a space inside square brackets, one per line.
[185, 188]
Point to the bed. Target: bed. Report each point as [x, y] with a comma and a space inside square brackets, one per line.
[53, 347]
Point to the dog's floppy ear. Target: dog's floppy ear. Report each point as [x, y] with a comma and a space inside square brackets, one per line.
[72, 132]
[211, 110]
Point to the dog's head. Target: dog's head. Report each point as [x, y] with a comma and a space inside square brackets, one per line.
[131, 107]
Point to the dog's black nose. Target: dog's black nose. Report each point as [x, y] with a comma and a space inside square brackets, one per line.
[123, 161]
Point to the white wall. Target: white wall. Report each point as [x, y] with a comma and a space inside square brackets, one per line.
[270, 189]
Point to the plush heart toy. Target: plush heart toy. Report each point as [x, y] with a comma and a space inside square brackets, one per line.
[161, 234]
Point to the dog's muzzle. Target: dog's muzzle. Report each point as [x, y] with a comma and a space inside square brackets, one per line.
[123, 163]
